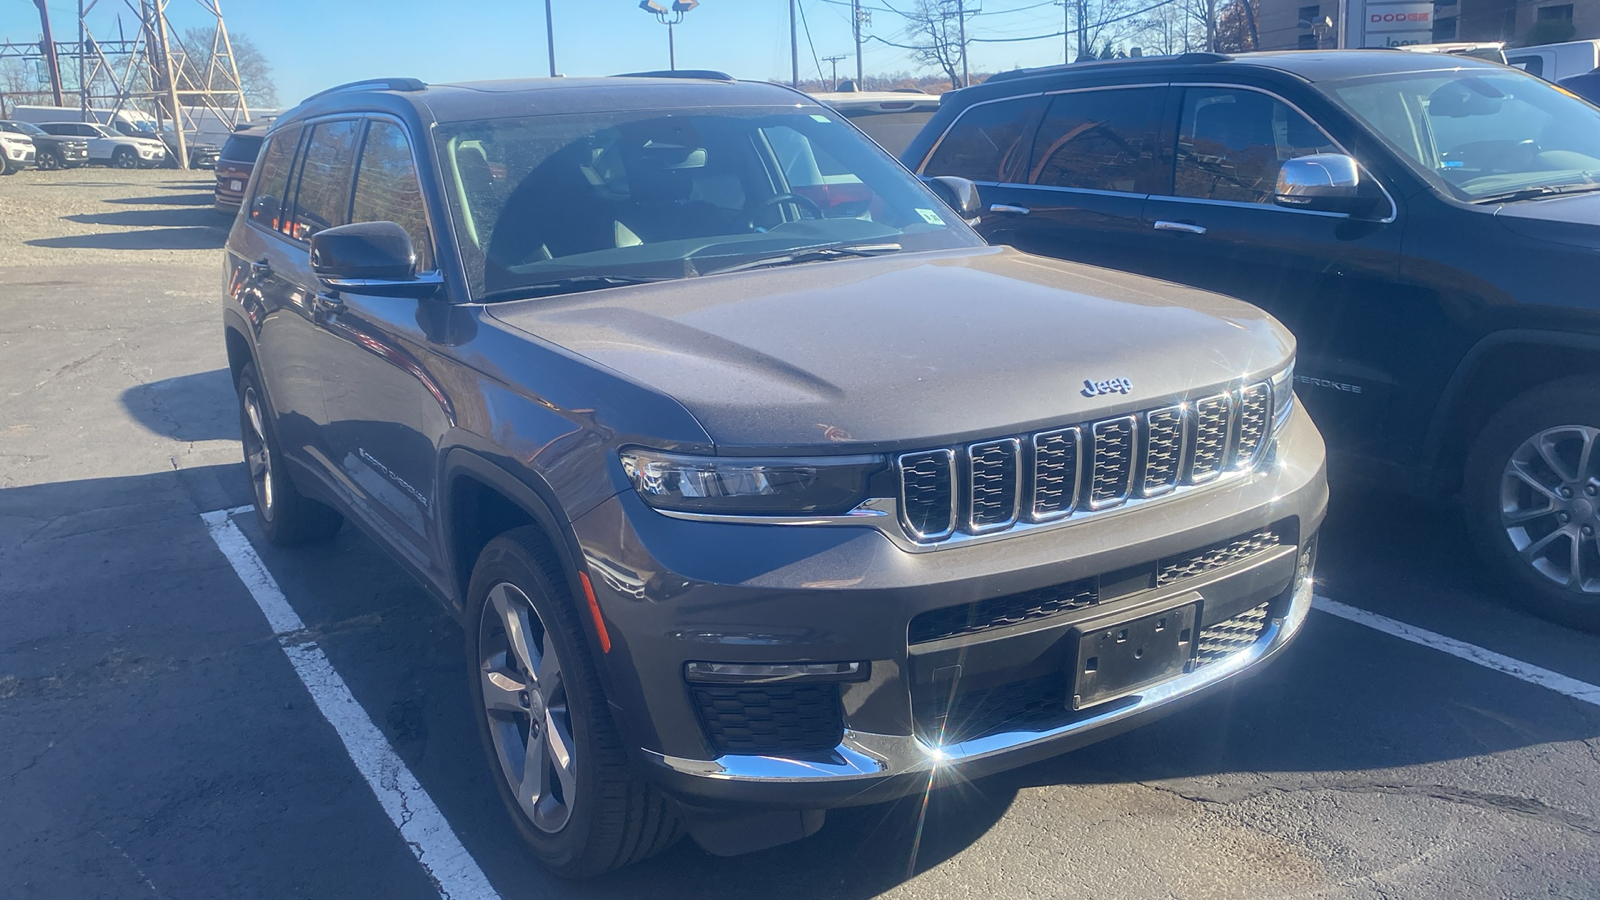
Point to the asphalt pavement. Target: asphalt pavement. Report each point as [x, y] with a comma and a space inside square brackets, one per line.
[156, 740]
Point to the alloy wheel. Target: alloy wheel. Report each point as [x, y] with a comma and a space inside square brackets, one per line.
[47, 162]
[257, 455]
[1550, 505]
[525, 702]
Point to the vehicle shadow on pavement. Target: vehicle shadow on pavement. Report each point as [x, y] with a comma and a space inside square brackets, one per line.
[185, 238]
[196, 198]
[196, 407]
[206, 217]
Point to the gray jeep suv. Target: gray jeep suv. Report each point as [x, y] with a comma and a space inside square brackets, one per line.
[759, 484]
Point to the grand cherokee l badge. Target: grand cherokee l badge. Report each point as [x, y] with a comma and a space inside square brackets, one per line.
[1109, 386]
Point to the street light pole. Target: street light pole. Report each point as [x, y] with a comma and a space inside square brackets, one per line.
[670, 16]
[550, 35]
[794, 49]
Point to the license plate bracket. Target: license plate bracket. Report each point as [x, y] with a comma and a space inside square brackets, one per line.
[1118, 656]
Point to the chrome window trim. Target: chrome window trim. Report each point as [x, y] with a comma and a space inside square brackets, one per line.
[1016, 484]
[1240, 204]
[1394, 208]
[1126, 492]
[955, 495]
[1075, 432]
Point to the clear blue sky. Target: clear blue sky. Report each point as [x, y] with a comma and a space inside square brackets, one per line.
[312, 44]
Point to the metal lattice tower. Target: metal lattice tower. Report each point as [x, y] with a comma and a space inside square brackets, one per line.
[152, 70]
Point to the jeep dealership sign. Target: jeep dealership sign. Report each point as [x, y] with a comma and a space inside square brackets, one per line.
[1378, 23]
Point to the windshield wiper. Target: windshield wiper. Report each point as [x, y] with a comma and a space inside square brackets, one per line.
[573, 285]
[805, 255]
[1536, 193]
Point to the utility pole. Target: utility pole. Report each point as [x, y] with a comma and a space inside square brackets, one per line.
[961, 14]
[550, 36]
[855, 19]
[48, 45]
[794, 49]
[835, 61]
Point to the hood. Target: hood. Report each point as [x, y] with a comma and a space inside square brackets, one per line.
[908, 350]
[1572, 220]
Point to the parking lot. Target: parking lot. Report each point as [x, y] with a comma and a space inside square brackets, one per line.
[157, 741]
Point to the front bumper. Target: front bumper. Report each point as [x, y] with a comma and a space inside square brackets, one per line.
[19, 153]
[674, 591]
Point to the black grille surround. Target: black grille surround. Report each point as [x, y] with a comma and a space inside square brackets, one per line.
[996, 485]
[771, 718]
[1055, 600]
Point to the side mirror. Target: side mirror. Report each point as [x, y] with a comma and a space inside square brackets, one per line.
[959, 194]
[1325, 182]
[369, 258]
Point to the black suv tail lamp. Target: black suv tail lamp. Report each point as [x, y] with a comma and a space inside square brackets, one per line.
[698, 672]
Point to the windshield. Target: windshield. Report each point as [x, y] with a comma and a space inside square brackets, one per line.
[1477, 132]
[653, 194]
[105, 131]
[27, 128]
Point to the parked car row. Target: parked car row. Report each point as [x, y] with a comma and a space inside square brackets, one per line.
[66, 145]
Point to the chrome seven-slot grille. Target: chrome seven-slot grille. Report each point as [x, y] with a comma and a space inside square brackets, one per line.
[1051, 475]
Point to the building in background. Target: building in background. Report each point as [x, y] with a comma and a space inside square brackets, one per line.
[1298, 25]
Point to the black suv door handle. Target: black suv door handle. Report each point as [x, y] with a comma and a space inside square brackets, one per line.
[1185, 227]
[1009, 208]
[327, 304]
[260, 268]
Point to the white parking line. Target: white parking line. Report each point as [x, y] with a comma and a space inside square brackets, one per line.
[1516, 668]
[409, 807]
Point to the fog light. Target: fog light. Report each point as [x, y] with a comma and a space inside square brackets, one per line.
[770, 673]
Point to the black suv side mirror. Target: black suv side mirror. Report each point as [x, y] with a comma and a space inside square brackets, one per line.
[958, 193]
[1325, 182]
[370, 258]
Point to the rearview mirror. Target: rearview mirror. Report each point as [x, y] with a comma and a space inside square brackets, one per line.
[1325, 182]
[369, 258]
[959, 194]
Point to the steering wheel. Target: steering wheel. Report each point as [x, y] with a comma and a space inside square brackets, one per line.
[1518, 156]
[798, 200]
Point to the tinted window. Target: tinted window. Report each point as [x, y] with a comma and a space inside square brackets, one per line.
[322, 195]
[242, 147]
[266, 206]
[387, 188]
[989, 142]
[1097, 139]
[1231, 143]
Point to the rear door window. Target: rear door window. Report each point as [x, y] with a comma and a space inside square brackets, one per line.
[387, 189]
[1099, 140]
[266, 206]
[990, 142]
[1232, 141]
[322, 193]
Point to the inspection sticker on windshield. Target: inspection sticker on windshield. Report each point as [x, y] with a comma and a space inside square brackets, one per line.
[929, 216]
[823, 119]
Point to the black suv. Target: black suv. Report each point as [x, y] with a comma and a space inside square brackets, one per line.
[1426, 225]
[759, 484]
[52, 152]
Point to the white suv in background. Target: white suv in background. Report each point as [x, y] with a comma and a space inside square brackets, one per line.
[16, 152]
[109, 148]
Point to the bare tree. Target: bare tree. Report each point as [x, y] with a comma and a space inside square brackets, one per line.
[255, 73]
[933, 31]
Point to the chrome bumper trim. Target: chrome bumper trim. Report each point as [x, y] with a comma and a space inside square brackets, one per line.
[862, 756]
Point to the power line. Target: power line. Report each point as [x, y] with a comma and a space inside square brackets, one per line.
[814, 60]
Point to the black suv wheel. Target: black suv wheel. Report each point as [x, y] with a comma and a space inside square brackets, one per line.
[48, 161]
[285, 515]
[1533, 497]
[557, 758]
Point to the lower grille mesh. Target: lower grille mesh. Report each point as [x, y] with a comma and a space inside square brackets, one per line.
[759, 719]
[1020, 705]
[1229, 637]
[999, 612]
[1216, 556]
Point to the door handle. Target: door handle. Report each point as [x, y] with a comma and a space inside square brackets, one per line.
[327, 304]
[260, 268]
[1009, 208]
[1184, 227]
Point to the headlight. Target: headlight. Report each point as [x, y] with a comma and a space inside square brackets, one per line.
[1282, 395]
[828, 485]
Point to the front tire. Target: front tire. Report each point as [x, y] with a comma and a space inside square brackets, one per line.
[125, 158]
[48, 161]
[1533, 499]
[285, 515]
[554, 752]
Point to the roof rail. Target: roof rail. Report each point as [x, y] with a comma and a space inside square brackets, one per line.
[374, 84]
[700, 74]
[1182, 58]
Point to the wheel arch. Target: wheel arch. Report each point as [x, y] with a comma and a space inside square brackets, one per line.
[1496, 370]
